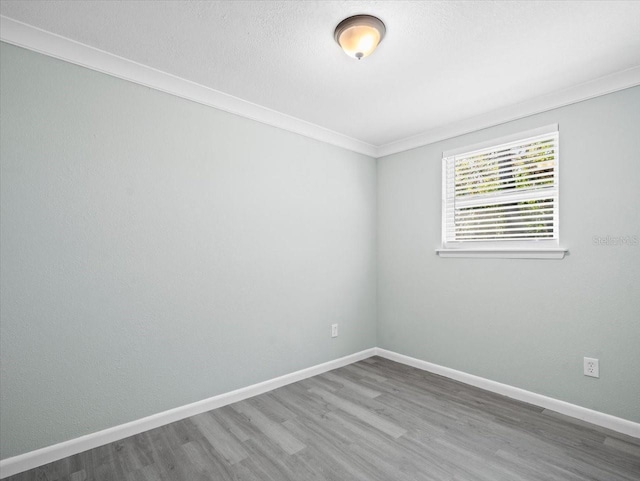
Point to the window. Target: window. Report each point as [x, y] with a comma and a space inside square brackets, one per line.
[500, 199]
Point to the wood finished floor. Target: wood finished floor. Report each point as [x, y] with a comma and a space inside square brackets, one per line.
[373, 420]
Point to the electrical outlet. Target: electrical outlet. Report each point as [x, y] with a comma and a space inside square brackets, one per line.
[334, 330]
[591, 367]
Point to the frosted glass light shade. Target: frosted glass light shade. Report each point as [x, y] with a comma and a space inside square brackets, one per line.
[359, 35]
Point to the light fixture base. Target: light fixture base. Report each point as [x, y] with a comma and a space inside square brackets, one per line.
[359, 35]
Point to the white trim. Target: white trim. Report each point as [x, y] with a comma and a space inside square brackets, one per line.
[524, 253]
[497, 247]
[589, 415]
[47, 43]
[39, 457]
[595, 88]
[500, 141]
[33, 38]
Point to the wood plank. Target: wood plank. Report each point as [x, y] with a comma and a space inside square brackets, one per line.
[220, 439]
[269, 428]
[365, 415]
[375, 420]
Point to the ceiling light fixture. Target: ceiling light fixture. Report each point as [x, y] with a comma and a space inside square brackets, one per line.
[359, 35]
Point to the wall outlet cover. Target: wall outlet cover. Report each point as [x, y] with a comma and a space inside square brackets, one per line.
[591, 367]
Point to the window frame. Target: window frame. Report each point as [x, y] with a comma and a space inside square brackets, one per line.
[529, 248]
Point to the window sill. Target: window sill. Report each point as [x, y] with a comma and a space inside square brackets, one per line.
[494, 253]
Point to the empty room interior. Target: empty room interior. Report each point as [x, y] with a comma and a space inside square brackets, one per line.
[319, 240]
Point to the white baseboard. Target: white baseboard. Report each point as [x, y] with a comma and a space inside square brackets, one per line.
[594, 417]
[39, 457]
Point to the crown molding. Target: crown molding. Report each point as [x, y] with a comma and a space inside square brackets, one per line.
[47, 43]
[604, 85]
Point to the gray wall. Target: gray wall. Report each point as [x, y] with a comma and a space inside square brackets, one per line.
[527, 323]
[156, 252]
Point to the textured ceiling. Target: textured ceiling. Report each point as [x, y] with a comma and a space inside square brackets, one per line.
[440, 62]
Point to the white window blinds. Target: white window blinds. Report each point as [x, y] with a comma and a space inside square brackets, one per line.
[503, 194]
